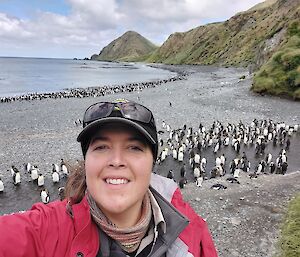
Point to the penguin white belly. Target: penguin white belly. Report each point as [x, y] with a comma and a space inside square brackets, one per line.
[41, 181]
[180, 156]
[17, 178]
[1, 186]
[197, 158]
[236, 173]
[199, 181]
[175, 154]
[196, 172]
[45, 197]
[64, 170]
[55, 177]
[34, 174]
[218, 161]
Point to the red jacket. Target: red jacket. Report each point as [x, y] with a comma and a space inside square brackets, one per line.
[50, 230]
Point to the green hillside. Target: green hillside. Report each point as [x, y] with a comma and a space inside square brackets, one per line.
[131, 46]
[239, 41]
[281, 74]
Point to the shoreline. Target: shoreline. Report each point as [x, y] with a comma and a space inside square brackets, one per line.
[98, 91]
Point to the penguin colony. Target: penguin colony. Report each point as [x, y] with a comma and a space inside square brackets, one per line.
[92, 91]
[33, 175]
[189, 146]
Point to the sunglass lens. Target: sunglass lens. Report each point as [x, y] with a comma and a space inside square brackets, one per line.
[135, 111]
[98, 111]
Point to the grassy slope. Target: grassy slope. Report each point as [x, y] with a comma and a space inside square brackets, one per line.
[281, 74]
[236, 41]
[131, 46]
[290, 235]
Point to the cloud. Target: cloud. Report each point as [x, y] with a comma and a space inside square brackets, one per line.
[89, 25]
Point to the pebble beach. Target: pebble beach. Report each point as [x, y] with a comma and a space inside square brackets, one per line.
[244, 219]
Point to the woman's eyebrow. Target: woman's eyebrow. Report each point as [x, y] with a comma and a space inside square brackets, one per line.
[137, 138]
[99, 138]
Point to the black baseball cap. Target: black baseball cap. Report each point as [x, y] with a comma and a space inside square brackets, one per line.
[120, 111]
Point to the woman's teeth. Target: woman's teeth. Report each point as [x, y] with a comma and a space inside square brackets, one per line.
[117, 181]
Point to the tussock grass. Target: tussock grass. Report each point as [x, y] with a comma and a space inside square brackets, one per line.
[290, 235]
[281, 74]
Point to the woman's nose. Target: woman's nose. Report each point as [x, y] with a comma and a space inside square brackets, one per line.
[117, 158]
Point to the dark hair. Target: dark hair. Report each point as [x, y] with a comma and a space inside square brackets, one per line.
[76, 184]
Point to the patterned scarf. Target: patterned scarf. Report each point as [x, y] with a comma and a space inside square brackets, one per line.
[128, 238]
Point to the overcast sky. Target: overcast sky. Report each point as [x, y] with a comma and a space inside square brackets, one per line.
[80, 28]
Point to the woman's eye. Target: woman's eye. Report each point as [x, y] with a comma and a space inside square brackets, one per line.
[136, 148]
[100, 147]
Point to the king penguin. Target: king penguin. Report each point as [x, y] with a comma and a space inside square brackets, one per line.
[45, 197]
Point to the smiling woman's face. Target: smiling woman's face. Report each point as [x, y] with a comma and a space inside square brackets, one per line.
[118, 168]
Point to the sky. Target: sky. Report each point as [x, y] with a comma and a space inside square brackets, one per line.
[81, 28]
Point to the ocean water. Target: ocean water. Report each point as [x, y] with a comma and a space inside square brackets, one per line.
[28, 75]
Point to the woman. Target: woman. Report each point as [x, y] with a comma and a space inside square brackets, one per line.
[115, 205]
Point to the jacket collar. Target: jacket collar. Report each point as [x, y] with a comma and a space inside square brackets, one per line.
[174, 220]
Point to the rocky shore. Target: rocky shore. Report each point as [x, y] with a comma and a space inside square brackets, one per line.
[244, 219]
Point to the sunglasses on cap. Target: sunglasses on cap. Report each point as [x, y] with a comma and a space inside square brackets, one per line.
[129, 110]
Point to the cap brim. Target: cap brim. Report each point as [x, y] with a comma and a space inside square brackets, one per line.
[85, 133]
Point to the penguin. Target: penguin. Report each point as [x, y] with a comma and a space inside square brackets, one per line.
[55, 177]
[218, 161]
[63, 168]
[168, 128]
[27, 167]
[160, 132]
[233, 180]
[45, 197]
[283, 158]
[55, 167]
[161, 142]
[223, 159]
[222, 170]
[232, 166]
[272, 167]
[203, 162]
[174, 154]
[40, 180]
[268, 158]
[183, 171]
[13, 170]
[218, 186]
[199, 181]
[252, 175]
[170, 175]
[288, 143]
[226, 141]
[17, 178]
[163, 155]
[236, 173]
[34, 173]
[259, 169]
[284, 166]
[182, 182]
[196, 172]
[1, 186]
[61, 193]
[180, 156]
[213, 173]
[217, 147]
[197, 158]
